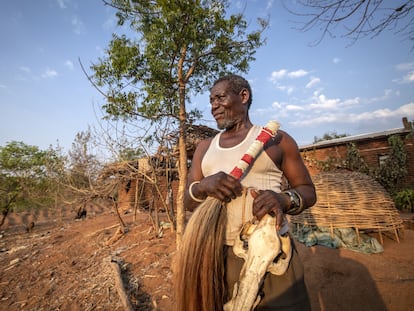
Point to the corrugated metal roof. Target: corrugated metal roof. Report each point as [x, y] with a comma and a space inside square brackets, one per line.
[347, 139]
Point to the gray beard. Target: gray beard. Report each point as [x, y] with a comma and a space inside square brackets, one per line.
[225, 125]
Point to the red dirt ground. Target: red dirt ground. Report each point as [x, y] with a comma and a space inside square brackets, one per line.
[66, 265]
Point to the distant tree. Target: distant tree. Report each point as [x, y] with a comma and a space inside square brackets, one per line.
[26, 174]
[83, 165]
[9, 193]
[128, 153]
[181, 46]
[360, 18]
[329, 136]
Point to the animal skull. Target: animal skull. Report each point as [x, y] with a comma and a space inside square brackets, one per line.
[259, 244]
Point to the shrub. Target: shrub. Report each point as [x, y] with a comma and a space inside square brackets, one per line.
[404, 200]
[394, 169]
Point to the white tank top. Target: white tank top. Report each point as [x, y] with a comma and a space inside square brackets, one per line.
[262, 175]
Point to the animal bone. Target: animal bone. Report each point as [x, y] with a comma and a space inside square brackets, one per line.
[281, 265]
[263, 246]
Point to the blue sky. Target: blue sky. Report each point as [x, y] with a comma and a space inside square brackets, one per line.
[350, 89]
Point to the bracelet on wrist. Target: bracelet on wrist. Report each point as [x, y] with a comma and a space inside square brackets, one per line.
[296, 203]
[190, 192]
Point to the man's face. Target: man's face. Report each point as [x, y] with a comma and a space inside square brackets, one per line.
[226, 107]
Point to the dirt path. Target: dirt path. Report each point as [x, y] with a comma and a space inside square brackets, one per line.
[67, 266]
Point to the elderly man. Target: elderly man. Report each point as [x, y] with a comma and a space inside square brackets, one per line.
[230, 99]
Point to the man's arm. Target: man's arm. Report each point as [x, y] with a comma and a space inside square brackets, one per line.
[285, 153]
[296, 172]
[195, 174]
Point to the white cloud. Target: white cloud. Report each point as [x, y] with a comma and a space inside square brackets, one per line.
[269, 4]
[294, 108]
[262, 111]
[386, 113]
[283, 73]
[49, 73]
[406, 110]
[313, 81]
[297, 74]
[321, 102]
[277, 105]
[336, 60]
[405, 66]
[25, 69]
[2, 86]
[370, 115]
[324, 103]
[376, 115]
[61, 4]
[286, 88]
[387, 94]
[69, 64]
[322, 119]
[317, 92]
[277, 75]
[351, 101]
[408, 78]
[78, 25]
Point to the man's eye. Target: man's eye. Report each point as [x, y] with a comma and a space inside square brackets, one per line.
[218, 98]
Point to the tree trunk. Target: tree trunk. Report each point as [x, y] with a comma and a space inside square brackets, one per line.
[182, 167]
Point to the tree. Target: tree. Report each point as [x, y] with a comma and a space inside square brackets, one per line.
[26, 174]
[360, 18]
[391, 173]
[129, 153]
[329, 136]
[84, 167]
[9, 192]
[181, 47]
[354, 160]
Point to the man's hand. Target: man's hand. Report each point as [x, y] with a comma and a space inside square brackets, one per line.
[221, 186]
[268, 202]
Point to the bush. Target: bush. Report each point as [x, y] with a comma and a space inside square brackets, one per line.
[404, 200]
[391, 173]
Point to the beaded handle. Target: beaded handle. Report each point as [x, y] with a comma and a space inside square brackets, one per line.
[264, 136]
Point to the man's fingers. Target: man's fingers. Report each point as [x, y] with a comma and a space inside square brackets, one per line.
[266, 204]
[254, 193]
[279, 220]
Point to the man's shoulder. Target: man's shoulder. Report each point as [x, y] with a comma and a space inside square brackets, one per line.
[205, 143]
[202, 147]
[282, 140]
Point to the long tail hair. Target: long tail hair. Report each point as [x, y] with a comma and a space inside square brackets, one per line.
[199, 266]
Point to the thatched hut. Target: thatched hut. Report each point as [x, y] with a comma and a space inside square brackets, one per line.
[152, 181]
[194, 134]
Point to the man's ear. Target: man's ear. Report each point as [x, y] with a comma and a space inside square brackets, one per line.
[245, 95]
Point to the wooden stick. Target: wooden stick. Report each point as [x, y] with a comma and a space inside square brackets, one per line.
[120, 286]
[264, 136]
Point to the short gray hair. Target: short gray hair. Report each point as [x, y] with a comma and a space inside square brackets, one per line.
[236, 84]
